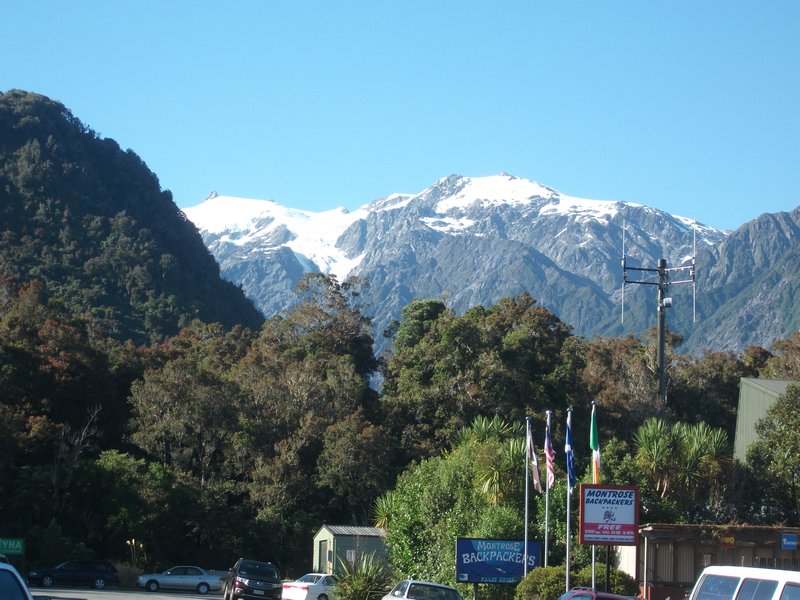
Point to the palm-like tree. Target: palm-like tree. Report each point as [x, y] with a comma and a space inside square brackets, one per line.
[681, 458]
[655, 451]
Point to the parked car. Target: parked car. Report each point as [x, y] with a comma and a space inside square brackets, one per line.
[422, 590]
[96, 573]
[12, 586]
[311, 586]
[727, 582]
[253, 580]
[588, 594]
[183, 577]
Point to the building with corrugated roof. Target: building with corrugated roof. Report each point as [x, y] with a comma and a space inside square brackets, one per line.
[335, 544]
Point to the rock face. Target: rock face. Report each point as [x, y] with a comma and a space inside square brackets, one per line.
[472, 241]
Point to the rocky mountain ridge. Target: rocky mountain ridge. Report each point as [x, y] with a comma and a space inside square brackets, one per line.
[472, 241]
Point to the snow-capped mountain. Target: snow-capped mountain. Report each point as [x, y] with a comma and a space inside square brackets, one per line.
[467, 240]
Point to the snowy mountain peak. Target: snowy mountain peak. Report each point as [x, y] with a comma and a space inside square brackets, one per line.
[262, 226]
[455, 206]
[493, 190]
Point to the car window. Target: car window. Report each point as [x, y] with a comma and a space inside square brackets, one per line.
[10, 588]
[717, 587]
[791, 591]
[757, 589]
[193, 571]
[400, 588]
[420, 591]
[330, 580]
[178, 571]
[309, 578]
[71, 566]
[259, 568]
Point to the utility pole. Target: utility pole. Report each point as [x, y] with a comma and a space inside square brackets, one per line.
[663, 282]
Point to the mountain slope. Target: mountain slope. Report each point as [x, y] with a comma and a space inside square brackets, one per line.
[472, 241]
[91, 222]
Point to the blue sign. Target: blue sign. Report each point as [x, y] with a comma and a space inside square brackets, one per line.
[789, 541]
[494, 561]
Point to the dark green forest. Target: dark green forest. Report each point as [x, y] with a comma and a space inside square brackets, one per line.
[143, 398]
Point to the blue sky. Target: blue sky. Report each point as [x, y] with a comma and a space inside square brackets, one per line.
[691, 106]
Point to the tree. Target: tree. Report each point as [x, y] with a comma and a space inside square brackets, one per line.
[775, 457]
[785, 363]
[706, 388]
[447, 369]
[354, 463]
[687, 465]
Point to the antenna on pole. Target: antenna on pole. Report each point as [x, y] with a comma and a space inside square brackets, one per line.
[663, 281]
[624, 273]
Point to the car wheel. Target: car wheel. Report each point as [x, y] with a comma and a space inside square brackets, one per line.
[99, 583]
[47, 581]
[152, 586]
[202, 588]
[322, 597]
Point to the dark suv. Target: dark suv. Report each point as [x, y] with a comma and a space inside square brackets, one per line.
[96, 573]
[253, 580]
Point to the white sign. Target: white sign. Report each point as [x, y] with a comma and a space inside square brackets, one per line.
[609, 514]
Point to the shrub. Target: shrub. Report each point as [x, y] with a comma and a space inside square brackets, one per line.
[548, 583]
[127, 574]
[542, 583]
[356, 581]
[621, 583]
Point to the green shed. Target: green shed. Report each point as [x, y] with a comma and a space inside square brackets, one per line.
[755, 397]
[334, 544]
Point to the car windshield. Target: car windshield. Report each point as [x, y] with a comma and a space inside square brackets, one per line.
[421, 591]
[310, 578]
[717, 587]
[249, 567]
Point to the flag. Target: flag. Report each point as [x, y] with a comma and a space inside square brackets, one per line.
[550, 454]
[568, 453]
[594, 444]
[534, 461]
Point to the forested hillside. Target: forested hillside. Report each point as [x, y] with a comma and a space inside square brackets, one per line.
[134, 414]
[90, 223]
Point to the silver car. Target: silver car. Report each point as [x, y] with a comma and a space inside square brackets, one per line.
[182, 577]
[422, 590]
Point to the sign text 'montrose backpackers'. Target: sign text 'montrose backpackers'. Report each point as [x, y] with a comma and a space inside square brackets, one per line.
[609, 514]
[494, 561]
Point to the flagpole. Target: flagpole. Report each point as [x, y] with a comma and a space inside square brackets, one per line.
[547, 500]
[527, 442]
[569, 496]
[594, 444]
[568, 456]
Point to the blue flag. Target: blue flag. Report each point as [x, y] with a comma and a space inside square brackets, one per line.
[568, 453]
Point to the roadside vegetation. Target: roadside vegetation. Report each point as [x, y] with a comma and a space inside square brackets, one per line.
[217, 443]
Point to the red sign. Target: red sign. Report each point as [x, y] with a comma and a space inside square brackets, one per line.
[609, 514]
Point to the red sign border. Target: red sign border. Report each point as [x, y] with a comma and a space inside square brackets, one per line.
[594, 486]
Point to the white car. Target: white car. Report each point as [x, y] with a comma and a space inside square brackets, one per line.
[12, 586]
[422, 590]
[312, 586]
[187, 578]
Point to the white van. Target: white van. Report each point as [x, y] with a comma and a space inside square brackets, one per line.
[746, 583]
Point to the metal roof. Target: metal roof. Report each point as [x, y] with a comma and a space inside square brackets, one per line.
[771, 386]
[354, 530]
